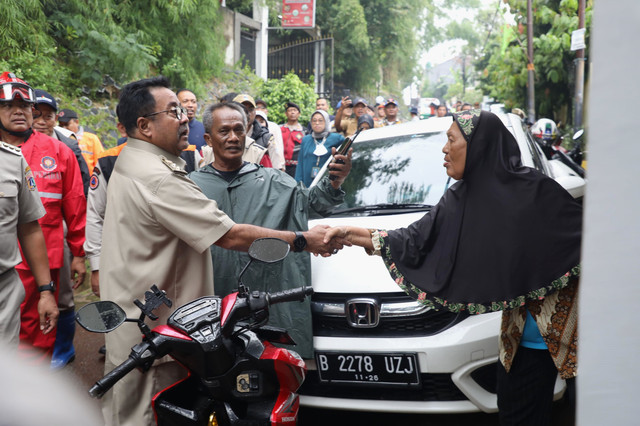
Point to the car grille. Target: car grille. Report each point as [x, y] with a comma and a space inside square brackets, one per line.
[435, 387]
[398, 316]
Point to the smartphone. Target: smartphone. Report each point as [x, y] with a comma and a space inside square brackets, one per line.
[343, 149]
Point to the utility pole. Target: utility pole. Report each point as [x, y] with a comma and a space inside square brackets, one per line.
[531, 100]
[579, 92]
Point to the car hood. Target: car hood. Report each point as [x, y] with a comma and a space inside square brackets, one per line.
[352, 270]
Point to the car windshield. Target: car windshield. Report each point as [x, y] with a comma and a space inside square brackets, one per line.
[403, 172]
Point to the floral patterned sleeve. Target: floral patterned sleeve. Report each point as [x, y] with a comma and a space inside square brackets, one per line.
[380, 240]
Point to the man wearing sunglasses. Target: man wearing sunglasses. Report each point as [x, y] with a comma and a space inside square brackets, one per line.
[158, 228]
[57, 175]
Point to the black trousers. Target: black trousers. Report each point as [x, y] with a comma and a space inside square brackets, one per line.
[525, 393]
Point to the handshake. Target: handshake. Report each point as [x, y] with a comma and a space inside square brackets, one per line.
[323, 240]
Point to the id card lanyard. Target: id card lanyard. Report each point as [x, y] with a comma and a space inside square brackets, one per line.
[318, 152]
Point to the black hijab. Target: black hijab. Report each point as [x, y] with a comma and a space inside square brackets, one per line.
[503, 234]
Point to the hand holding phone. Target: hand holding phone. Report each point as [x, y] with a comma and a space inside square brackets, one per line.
[343, 149]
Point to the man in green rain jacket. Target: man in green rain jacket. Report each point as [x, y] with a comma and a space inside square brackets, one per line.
[267, 197]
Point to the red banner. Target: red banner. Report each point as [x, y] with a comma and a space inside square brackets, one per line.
[298, 13]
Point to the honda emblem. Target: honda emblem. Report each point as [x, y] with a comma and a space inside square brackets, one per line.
[363, 313]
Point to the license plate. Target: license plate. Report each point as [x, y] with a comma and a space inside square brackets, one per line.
[374, 368]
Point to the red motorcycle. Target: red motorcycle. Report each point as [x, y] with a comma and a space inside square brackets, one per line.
[236, 375]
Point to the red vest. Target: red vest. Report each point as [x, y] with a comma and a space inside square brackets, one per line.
[59, 183]
[291, 140]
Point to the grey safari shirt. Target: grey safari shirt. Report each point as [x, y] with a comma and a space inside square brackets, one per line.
[19, 203]
[157, 230]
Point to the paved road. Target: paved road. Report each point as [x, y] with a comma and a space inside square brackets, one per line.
[88, 366]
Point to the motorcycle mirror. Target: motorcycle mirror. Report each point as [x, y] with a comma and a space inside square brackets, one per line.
[101, 317]
[268, 250]
[577, 135]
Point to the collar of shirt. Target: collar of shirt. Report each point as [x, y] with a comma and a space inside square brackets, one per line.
[153, 149]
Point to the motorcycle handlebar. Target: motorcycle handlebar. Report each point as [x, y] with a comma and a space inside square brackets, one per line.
[107, 382]
[295, 294]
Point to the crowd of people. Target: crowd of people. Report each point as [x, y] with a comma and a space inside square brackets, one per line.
[178, 202]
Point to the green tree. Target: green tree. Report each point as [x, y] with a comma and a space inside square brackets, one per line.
[381, 41]
[277, 92]
[354, 64]
[126, 40]
[504, 72]
[26, 46]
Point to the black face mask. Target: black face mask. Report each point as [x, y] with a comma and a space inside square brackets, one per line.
[24, 134]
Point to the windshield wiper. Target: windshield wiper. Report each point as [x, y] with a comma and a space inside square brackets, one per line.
[385, 206]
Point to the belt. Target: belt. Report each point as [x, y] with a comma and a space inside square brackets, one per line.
[291, 162]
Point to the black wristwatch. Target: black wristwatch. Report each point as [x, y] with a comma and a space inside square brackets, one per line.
[299, 242]
[49, 287]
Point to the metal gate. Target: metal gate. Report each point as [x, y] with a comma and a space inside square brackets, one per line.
[305, 58]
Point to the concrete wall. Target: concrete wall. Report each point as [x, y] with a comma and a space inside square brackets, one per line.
[609, 362]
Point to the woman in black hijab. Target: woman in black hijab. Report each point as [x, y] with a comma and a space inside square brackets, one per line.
[503, 238]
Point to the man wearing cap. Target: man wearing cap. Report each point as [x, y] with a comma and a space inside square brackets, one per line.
[57, 175]
[292, 134]
[413, 110]
[348, 125]
[45, 123]
[63, 350]
[391, 113]
[89, 143]
[277, 160]
[256, 134]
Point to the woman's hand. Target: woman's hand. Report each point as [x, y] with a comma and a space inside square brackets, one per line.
[350, 236]
[340, 233]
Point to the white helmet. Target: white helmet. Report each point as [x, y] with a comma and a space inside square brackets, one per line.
[545, 130]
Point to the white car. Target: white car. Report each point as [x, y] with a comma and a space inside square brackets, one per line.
[376, 348]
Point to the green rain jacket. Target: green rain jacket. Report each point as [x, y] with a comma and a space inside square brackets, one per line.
[270, 198]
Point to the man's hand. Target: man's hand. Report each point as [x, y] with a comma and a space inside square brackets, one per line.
[350, 236]
[95, 282]
[78, 271]
[48, 311]
[315, 242]
[340, 168]
[318, 244]
[345, 102]
[339, 234]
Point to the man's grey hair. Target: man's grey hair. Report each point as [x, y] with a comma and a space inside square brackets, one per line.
[207, 116]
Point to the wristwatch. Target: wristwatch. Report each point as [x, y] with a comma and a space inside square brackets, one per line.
[48, 287]
[299, 242]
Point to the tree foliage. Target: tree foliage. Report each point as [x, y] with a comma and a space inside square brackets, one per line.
[81, 42]
[27, 47]
[504, 60]
[276, 93]
[378, 40]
